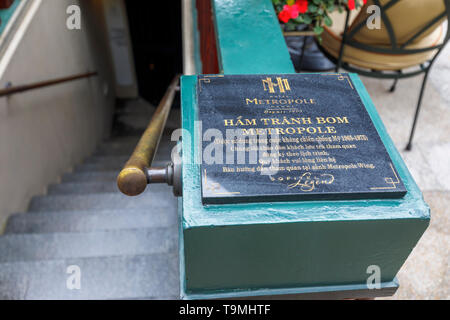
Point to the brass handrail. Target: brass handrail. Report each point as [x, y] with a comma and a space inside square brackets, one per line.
[137, 172]
[41, 84]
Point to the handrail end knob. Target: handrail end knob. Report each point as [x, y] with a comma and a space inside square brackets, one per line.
[132, 181]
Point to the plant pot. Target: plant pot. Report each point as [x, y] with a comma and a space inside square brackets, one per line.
[313, 59]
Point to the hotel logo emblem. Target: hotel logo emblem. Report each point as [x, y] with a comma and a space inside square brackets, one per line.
[282, 84]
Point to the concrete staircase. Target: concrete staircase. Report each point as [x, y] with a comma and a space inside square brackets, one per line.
[125, 248]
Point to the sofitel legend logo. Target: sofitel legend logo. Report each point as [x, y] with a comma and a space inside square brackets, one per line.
[282, 84]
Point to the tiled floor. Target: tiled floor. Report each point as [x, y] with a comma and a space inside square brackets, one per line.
[426, 273]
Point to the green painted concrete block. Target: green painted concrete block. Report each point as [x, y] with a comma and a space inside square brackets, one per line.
[285, 249]
[236, 249]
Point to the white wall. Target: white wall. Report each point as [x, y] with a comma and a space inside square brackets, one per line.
[46, 131]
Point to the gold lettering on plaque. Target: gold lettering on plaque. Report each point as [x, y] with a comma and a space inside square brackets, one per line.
[282, 84]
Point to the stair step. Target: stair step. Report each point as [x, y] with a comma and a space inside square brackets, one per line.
[118, 148]
[160, 155]
[134, 139]
[106, 159]
[115, 161]
[93, 187]
[90, 176]
[125, 139]
[113, 165]
[51, 246]
[137, 113]
[155, 276]
[85, 221]
[83, 188]
[149, 200]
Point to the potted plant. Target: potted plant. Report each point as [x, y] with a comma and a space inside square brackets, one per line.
[303, 21]
[312, 13]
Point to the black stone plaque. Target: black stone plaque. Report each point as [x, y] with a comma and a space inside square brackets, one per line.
[290, 138]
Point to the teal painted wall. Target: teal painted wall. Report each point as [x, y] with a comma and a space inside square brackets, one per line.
[249, 38]
[301, 254]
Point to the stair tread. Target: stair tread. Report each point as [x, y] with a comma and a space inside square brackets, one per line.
[90, 176]
[106, 159]
[84, 221]
[111, 166]
[88, 187]
[158, 199]
[126, 148]
[160, 156]
[154, 276]
[83, 188]
[125, 247]
[51, 246]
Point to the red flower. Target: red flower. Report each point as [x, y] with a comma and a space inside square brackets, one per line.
[289, 12]
[292, 9]
[351, 4]
[284, 16]
[302, 5]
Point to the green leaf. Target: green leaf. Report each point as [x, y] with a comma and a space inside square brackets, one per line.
[299, 19]
[327, 20]
[312, 8]
[290, 25]
[307, 19]
[318, 30]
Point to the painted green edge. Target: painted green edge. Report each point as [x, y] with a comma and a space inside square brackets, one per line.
[390, 286]
[249, 38]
